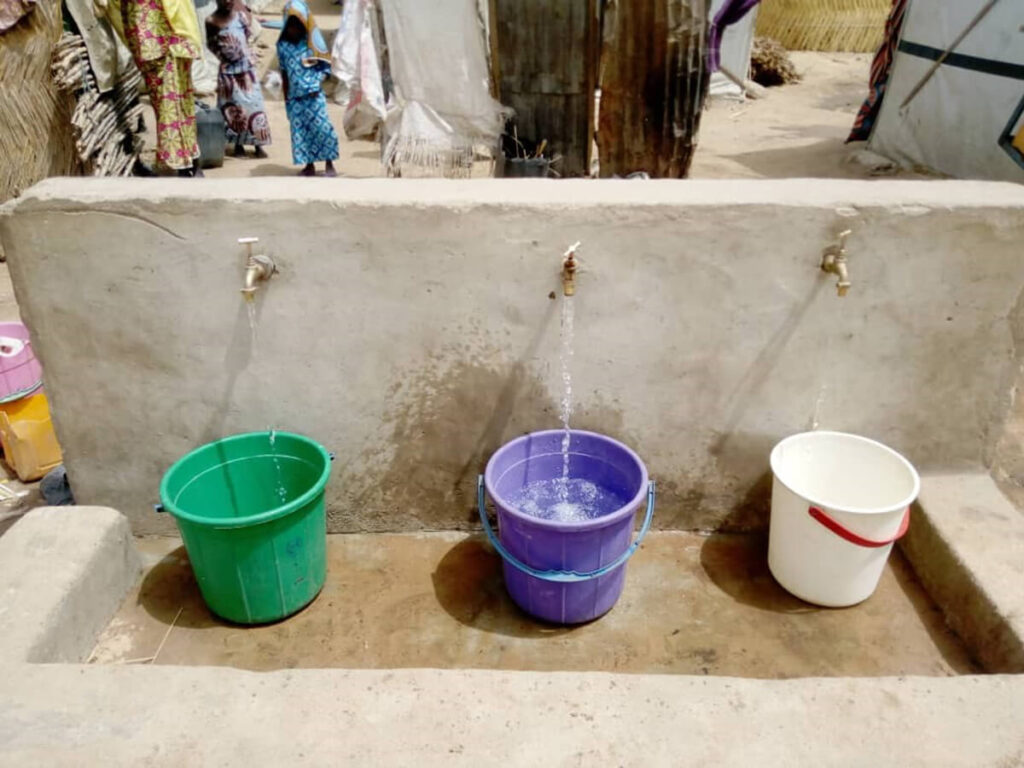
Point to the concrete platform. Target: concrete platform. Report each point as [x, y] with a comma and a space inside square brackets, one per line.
[63, 572]
[693, 605]
[188, 716]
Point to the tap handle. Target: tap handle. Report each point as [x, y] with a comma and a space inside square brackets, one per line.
[248, 242]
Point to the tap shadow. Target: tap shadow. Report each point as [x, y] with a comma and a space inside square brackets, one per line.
[469, 585]
[237, 357]
[489, 439]
[742, 395]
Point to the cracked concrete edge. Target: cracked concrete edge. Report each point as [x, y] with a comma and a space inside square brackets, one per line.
[153, 715]
[966, 544]
[63, 574]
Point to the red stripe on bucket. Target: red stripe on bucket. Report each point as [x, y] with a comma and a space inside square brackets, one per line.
[845, 533]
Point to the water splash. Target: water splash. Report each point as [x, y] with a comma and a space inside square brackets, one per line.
[566, 502]
[568, 332]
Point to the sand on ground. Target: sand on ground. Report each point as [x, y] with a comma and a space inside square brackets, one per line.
[793, 131]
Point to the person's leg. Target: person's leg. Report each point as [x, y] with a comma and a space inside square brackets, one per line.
[189, 127]
[326, 139]
[309, 170]
[170, 89]
[259, 152]
[239, 148]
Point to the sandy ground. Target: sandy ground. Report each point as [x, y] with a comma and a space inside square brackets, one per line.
[797, 130]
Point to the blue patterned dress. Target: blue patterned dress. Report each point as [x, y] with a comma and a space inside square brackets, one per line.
[313, 136]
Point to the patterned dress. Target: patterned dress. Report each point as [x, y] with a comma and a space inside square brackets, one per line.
[239, 97]
[313, 136]
[165, 60]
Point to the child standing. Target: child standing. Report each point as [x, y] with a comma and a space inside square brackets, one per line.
[305, 62]
[238, 92]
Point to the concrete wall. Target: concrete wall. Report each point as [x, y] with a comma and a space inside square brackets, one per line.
[411, 330]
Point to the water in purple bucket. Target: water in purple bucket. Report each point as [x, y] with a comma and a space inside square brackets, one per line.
[566, 501]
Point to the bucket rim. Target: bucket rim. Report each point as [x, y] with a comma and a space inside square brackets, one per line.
[629, 508]
[261, 517]
[901, 506]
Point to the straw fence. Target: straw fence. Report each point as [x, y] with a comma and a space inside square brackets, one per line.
[824, 25]
[35, 117]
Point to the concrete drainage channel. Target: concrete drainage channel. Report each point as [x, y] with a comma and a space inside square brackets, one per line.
[66, 571]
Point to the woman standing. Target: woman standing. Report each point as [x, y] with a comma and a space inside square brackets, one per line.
[239, 98]
[163, 37]
[305, 62]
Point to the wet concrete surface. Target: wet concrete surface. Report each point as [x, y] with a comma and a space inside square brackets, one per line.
[693, 605]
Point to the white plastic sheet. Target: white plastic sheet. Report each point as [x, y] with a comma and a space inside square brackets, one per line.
[444, 107]
[355, 63]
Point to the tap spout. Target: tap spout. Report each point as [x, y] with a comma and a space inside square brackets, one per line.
[258, 267]
[833, 261]
[254, 272]
[569, 271]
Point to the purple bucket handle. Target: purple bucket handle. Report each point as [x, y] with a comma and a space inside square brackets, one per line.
[561, 576]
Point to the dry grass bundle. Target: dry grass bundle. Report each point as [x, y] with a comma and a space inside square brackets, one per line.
[35, 116]
[103, 122]
[824, 25]
[770, 63]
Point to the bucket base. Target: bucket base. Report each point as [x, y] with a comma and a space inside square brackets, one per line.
[265, 622]
[564, 604]
[824, 603]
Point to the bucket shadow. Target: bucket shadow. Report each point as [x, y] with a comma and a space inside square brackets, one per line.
[170, 585]
[469, 585]
[738, 565]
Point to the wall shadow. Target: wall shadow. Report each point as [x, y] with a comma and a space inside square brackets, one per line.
[953, 650]
[469, 585]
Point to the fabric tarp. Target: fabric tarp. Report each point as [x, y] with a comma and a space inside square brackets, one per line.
[443, 102]
[957, 121]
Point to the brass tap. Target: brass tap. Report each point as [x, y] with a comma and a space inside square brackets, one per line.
[569, 271]
[833, 261]
[257, 267]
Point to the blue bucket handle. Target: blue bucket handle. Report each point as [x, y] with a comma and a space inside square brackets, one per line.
[561, 576]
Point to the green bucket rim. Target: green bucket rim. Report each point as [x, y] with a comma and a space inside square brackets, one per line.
[262, 517]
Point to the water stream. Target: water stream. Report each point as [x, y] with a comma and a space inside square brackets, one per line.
[282, 493]
[566, 409]
[250, 307]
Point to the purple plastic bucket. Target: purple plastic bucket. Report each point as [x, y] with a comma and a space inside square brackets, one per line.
[565, 572]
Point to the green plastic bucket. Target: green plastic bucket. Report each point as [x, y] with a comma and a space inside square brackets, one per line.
[250, 509]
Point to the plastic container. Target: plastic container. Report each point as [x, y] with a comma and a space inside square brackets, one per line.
[20, 372]
[839, 501]
[250, 509]
[26, 434]
[527, 167]
[211, 135]
[565, 572]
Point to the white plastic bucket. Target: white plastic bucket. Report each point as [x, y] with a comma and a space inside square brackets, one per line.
[839, 501]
